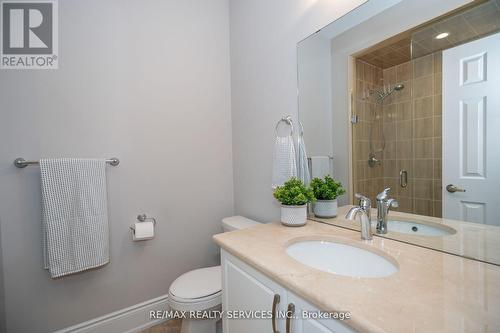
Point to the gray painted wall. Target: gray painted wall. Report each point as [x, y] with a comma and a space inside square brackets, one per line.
[3, 327]
[264, 36]
[148, 82]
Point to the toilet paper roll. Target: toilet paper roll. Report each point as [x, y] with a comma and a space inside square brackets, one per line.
[144, 231]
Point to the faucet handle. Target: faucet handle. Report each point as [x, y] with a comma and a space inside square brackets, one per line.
[364, 202]
[393, 203]
[384, 194]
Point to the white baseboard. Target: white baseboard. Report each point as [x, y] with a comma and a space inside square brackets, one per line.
[133, 319]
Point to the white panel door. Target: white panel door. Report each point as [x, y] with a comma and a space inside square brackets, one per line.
[471, 131]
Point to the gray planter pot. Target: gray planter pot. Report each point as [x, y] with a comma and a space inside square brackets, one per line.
[325, 208]
[293, 216]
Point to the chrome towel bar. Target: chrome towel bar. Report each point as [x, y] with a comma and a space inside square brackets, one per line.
[22, 163]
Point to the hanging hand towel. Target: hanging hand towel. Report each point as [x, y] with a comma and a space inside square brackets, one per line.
[284, 163]
[303, 165]
[74, 215]
[320, 166]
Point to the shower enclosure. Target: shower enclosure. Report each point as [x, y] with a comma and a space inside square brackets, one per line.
[397, 127]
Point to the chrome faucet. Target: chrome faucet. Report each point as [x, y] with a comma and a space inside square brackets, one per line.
[384, 203]
[364, 207]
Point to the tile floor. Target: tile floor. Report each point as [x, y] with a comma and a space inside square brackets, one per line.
[171, 326]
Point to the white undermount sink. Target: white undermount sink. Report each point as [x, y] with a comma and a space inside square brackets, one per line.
[341, 259]
[418, 229]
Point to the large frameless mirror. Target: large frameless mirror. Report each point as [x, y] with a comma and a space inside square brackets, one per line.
[406, 96]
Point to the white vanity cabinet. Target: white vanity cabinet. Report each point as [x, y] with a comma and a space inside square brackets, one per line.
[246, 289]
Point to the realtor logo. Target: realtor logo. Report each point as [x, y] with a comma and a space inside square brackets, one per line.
[29, 35]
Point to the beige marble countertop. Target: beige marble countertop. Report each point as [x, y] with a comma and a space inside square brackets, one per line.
[472, 240]
[431, 292]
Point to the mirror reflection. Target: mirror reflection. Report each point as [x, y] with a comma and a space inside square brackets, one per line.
[410, 119]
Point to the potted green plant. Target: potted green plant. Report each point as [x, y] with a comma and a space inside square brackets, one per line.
[326, 191]
[294, 197]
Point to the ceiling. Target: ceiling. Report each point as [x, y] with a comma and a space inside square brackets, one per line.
[462, 26]
[389, 55]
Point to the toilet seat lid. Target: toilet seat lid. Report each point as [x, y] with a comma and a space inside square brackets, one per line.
[198, 283]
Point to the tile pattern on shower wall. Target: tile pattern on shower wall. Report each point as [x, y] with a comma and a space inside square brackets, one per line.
[367, 180]
[412, 127]
[398, 131]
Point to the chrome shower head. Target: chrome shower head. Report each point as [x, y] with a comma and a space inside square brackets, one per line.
[386, 91]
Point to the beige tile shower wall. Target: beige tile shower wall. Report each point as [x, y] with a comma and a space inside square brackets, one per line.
[367, 180]
[412, 127]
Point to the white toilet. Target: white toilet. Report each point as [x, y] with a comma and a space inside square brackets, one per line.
[201, 289]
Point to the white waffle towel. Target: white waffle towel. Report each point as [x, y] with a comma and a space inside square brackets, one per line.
[74, 215]
[285, 165]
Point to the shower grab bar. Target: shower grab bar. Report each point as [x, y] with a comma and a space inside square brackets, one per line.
[403, 178]
[22, 163]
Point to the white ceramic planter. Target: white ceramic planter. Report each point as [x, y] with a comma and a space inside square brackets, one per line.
[294, 216]
[325, 208]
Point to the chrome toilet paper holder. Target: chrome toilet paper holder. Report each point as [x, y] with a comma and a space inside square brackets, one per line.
[144, 218]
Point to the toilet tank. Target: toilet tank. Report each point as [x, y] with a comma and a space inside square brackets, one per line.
[237, 223]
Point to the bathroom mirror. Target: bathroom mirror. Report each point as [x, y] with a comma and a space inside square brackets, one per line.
[403, 95]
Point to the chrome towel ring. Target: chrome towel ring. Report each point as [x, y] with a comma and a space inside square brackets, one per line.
[288, 121]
